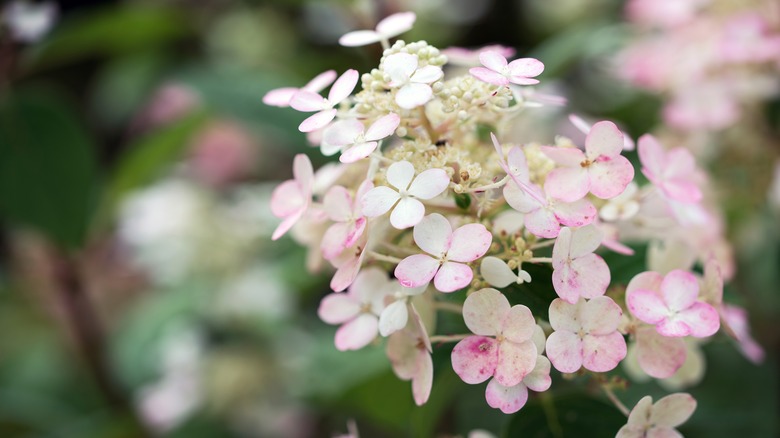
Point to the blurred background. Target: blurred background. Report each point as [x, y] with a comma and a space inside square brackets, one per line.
[140, 294]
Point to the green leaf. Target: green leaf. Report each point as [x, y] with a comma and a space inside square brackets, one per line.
[47, 171]
[565, 416]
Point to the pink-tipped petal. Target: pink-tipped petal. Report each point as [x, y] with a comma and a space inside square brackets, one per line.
[492, 60]
[343, 132]
[317, 121]
[567, 184]
[337, 203]
[702, 320]
[515, 361]
[433, 234]
[396, 24]
[321, 81]
[489, 76]
[416, 270]
[575, 214]
[509, 399]
[679, 290]
[651, 154]
[286, 224]
[358, 152]
[357, 333]
[469, 243]
[610, 177]
[475, 358]
[338, 308]
[600, 316]
[408, 213]
[604, 139]
[453, 276]
[484, 310]
[567, 157]
[413, 95]
[383, 127]
[603, 353]
[542, 223]
[526, 67]
[304, 174]
[307, 101]
[564, 349]
[343, 86]
[681, 190]
[379, 201]
[280, 97]
[400, 174]
[539, 379]
[646, 305]
[659, 356]
[522, 80]
[585, 240]
[646, 280]
[287, 199]
[334, 240]
[359, 38]
[429, 184]
[587, 276]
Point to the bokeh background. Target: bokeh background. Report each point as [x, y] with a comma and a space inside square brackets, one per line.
[140, 294]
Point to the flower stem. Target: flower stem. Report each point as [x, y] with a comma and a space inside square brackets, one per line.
[616, 401]
[540, 260]
[495, 185]
[448, 306]
[382, 257]
[544, 244]
[449, 338]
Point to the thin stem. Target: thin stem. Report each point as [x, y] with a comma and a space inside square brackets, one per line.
[448, 306]
[541, 245]
[385, 43]
[616, 401]
[449, 338]
[495, 185]
[382, 257]
[381, 158]
[540, 260]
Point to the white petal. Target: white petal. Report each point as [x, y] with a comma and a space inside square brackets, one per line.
[413, 95]
[400, 174]
[393, 318]
[383, 127]
[408, 213]
[343, 86]
[396, 24]
[429, 184]
[492, 60]
[379, 201]
[359, 38]
[427, 74]
[307, 101]
[400, 67]
[433, 234]
[343, 132]
[496, 272]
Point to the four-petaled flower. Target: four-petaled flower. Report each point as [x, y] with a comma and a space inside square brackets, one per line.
[450, 250]
[585, 335]
[353, 140]
[345, 211]
[502, 348]
[673, 172]
[408, 209]
[499, 72]
[671, 304]
[600, 170]
[577, 272]
[292, 198]
[308, 101]
[413, 83]
[659, 419]
[357, 310]
[281, 97]
[391, 26]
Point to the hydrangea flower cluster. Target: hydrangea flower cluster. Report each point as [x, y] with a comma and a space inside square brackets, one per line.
[432, 204]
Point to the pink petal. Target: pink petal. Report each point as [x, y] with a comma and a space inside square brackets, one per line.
[338, 308]
[604, 139]
[359, 38]
[370, 286]
[539, 379]
[304, 174]
[337, 203]
[393, 318]
[280, 97]
[701, 318]
[509, 399]
[453, 276]
[600, 316]
[492, 60]
[317, 121]
[383, 127]
[610, 177]
[568, 184]
[348, 266]
[518, 199]
[469, 243]
[659, 356]
[343, 87]
[307, 101]
[526, 67]
[518, 324]
[343, 132]
[585, 240]
[287, 199]
[413, 95]
[646, 280]
[408, 213]
[646, 305]
[433, 234]
[567, 157]
[416, 270]
[517, 163]
[396, 24]
[357, 333]
[522, 80]
[475, 358]
[651, 155]
[673, 410]
[334, 240]
[320, 81]
[400, 174]
[542, 223]
[489, 76]
[422, 382]
[564, 349]
[429, 184]
[286, 224]
[427, 74]
[358, 152]
[575, 214]
[679, 290]
[400, 67]
[515, 361]
[587, 276]
[603, 353]
[564, 316]
[681, 190]
[379, 201]
[484, 310]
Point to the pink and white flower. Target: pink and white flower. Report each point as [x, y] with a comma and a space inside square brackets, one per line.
[409, 351]
[600, 170]
[408, 211]
[577, 272]
[395, 316]
[309, 101]
[411, 81]
[353, 140]
[585, 335]
[292, 198]
[672, 172]
[390, 27]
[346, 212]
[671, 304]
[497, 71]
[449, 252]
[659, 419]
[502, 348]
[357, 310]
[281, 97]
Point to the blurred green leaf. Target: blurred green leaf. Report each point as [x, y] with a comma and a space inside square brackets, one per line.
[47, 172]
[624, 267]
[536, 295]
[108, 31]
[565, 416]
